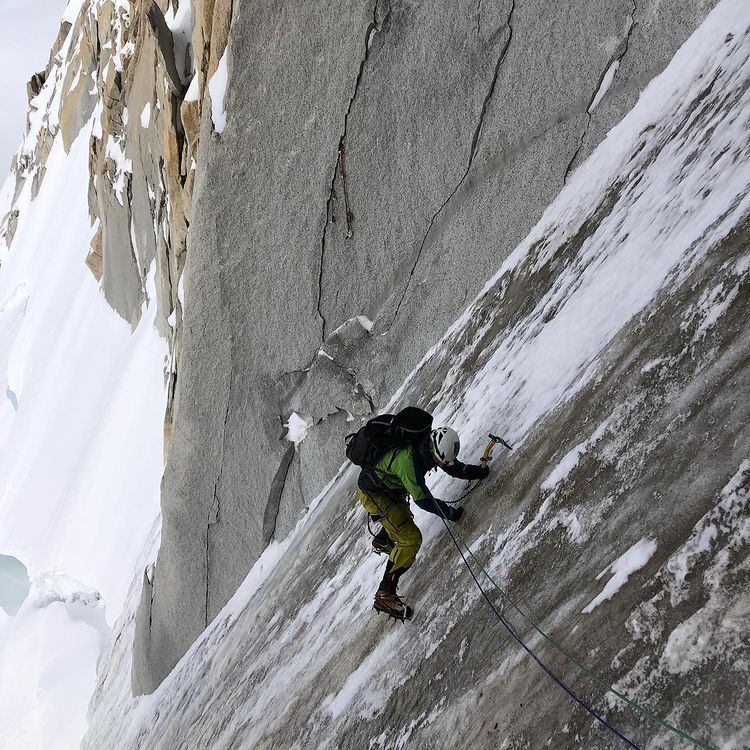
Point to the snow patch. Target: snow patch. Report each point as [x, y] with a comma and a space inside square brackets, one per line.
[146, 115]
[652, 364]
[561, 472]
[634, 559]
[609, 76]
[180, 24]
[123, 167]
[49, 667]
[72, 10]
[365, 322]
[297, 428]
[191, 95]
[217, 87]
[50, 649]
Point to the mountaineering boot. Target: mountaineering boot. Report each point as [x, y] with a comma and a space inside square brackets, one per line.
[392, 605]
[381, 542]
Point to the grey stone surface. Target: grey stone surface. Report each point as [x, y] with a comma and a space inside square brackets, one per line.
[121, 279]
[641, 59]
[381, 160]
[306, 663]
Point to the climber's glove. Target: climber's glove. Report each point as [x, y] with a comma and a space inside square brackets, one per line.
[453, 514]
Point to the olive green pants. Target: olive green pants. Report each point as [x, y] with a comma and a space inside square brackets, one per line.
[398, 522]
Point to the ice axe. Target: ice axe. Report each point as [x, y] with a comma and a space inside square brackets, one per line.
[487, 455]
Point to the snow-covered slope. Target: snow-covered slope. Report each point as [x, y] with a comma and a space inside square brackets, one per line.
[611, 349]
[82, 400]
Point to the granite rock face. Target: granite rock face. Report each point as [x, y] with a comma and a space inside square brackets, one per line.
[612, 350]
[139, 70]
[379, 161]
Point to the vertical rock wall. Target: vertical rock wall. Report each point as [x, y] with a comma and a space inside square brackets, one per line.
[139, 69]
[379, 161]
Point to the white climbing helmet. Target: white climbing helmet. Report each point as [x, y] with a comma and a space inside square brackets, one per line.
[444, 445]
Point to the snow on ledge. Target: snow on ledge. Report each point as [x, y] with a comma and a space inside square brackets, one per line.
[217, 87]
[146, 116]
[191, 95]
[609, 76]
[297, 428]
[72, 10]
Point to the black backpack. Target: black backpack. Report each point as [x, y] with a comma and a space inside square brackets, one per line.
[366, 446]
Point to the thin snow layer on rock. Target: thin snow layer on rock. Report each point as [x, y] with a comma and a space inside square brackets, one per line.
[80, 455]
[300, 661]
[146, 115]
[621, 569]
[609, 76]
[682, 640]
[117, 692]
[656, 231]
[716, 301]
[570, 460]
[217, 88]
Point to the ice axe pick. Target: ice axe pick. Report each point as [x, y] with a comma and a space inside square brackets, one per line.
[487, 455]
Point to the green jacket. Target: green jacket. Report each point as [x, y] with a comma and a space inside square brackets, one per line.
[399, 470]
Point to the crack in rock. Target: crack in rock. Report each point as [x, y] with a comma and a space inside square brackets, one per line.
[357, 383]
[616, 58]
[287, 402]
[213, 513]
[273, 503]
[151, 582]
[340, 165]
[472, 153]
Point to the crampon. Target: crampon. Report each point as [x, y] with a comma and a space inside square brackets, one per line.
[392, 605]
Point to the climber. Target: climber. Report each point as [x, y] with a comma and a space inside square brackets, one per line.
[383, 488]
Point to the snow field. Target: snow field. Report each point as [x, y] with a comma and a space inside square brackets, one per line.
[81, 419]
